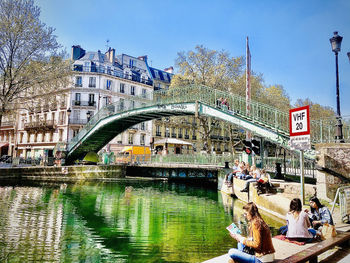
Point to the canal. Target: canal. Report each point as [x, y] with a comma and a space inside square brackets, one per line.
[127, 220]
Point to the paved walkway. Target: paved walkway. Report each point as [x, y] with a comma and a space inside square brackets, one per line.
[286, 249]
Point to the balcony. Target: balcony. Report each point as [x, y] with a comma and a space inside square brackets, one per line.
[7, 124]
[53, 106]
[84, 103]
[194, 137]
[40, 125]
[187, 136]
[214, 137]
[173, 135]
[46, 108]
[180, 136]
[115, 73]
[77, 121]
[78, 85]
[158, 134]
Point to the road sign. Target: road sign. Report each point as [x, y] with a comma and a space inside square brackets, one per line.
[299, 131]
[299, 121]
[299, 128]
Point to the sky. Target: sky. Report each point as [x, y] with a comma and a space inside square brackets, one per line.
[288, 40]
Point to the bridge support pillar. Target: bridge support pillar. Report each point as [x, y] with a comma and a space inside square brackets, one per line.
[333, 168]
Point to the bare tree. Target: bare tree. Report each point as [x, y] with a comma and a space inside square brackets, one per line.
[30, 57]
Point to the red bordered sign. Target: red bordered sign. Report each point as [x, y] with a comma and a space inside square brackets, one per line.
[299, 121]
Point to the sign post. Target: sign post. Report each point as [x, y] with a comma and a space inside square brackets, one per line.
[299, 130]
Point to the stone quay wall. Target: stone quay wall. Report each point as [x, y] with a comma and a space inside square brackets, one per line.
[336, 157]
[64, 172]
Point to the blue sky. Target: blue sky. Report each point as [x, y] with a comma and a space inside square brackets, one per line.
[289, 40]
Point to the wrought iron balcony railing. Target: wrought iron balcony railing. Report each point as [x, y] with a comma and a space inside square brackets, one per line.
[50, 124]
[115, 73]
[7, 124]
[77, 121]
[83, 103]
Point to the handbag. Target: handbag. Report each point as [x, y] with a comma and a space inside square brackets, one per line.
[328, 231]
[249, 250]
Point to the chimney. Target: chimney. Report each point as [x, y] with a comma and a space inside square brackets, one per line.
[144, 58]
[111, 55]
[169, 70]
[77, 52]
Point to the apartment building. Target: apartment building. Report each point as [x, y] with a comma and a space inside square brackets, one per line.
[98, 79]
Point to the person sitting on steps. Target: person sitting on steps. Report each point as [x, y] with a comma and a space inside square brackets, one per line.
[319, 214]
[255, 173]
[298, 223]
[259, 242]
[229, 176]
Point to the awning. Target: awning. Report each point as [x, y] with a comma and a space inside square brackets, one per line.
[3, 144]
[171, 141]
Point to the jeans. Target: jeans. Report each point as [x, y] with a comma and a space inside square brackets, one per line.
[248, 182]
[238, 255]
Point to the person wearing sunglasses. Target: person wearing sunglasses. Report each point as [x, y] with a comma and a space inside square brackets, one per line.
[258, 246]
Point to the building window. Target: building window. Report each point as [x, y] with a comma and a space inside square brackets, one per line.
[132, 104]
[108, 84]
[122, 88]
[142, 139]
[167, 132]
[78, 81]
[21, 137]
[92, 82]
[144, 93]
[187, 136]
[91, 99]
[132, 90]
[158, 132]
[165, 76]
[121, 104]
[142, 126]
[180, 133]
[156, 73]
[131, 138]
[77, 98]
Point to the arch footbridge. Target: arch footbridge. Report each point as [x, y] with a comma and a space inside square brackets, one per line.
[262, 120]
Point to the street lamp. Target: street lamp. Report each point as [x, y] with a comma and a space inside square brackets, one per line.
[349, 56]
[336, 43]
[88, 115]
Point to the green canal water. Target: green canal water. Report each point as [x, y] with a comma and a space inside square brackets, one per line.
[123, 221]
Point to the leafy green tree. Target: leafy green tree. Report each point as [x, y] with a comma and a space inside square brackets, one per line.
[215, 69]
[317, 111]
[30, 56]
[276, 96]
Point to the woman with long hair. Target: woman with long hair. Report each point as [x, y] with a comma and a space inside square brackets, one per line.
[259, 241]
[298, 223]
[319, 213]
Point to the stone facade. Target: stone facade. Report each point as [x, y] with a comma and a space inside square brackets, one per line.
[335, 157]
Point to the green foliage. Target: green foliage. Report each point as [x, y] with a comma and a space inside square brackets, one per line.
[30, 56]
[317, 111]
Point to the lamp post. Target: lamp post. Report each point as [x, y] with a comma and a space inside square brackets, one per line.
[336, 43]
[349, 56]
[88, 115]
[68, 114]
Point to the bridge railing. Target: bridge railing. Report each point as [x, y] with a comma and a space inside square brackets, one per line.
[292, 166]
[203, 159]
[108, 110]
[260, 113]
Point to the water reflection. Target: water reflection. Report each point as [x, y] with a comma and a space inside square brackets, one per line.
[128, 221]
